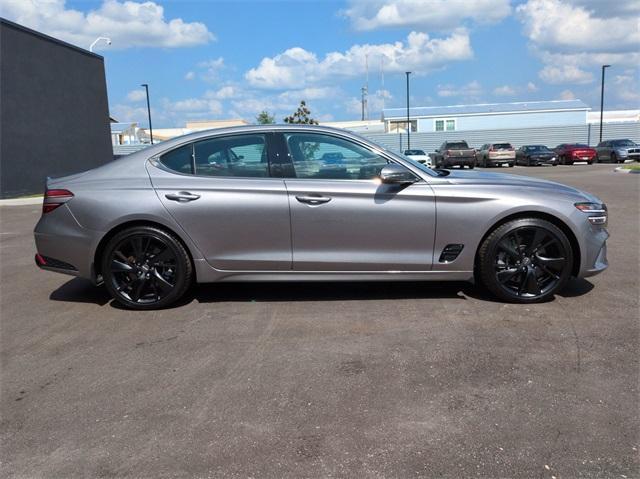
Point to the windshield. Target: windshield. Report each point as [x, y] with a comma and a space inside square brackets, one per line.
[461, 145]
[414, 152]
[623, 143]
[501, 146]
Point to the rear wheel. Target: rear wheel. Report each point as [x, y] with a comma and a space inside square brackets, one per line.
[146, 268]
[525, 260]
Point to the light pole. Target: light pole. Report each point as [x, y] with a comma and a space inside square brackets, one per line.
[146, 88]
[602, 99]
[106, 39]
[408, 121]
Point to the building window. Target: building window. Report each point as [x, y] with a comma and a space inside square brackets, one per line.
[445, 125]
[401, 126]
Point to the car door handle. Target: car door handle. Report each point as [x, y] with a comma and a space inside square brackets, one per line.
[182, 196]
[313, 200]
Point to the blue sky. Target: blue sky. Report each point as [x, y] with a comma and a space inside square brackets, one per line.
[215, 59]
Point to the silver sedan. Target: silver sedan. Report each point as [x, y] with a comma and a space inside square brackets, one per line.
[308, 203]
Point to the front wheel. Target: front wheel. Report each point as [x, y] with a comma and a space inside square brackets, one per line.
[471, 166]
[525, 260]
[511, 165]
[146, 268]
[614, 158]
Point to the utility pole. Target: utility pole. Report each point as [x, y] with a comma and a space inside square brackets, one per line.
[146, 88]
[602, 99]
[408, 119]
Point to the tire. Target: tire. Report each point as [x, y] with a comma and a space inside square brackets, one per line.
[511, 265]
[596, 159]
[145, 267]
[471, 166]
[528, 161]
[511, 165]
[614, 158]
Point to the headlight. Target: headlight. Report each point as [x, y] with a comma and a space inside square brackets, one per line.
[622, 152]
[597, 212]
[553, 158]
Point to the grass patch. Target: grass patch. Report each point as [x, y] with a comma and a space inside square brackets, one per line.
[632, 166]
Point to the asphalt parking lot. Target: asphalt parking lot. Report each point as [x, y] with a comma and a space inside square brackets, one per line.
[325, 380]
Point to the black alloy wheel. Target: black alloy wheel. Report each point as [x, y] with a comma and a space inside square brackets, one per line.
[146, 268]
[525, 261]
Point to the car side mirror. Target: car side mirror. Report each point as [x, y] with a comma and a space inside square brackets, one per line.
[397, 175]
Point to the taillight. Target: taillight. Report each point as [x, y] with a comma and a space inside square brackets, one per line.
[55, 198]
[491, 148]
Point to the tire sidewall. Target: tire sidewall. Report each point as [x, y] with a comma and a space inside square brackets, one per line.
[183, 266]
[488, 252]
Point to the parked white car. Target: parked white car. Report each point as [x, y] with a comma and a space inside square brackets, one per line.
[418, 155]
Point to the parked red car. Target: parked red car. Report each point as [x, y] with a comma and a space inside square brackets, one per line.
[570, 152]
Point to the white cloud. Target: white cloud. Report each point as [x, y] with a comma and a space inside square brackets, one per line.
[574, 37]
[224, 93]
[567, 95]
[136, 96]
[566, 73]
[470, 90]
[627, 88]
[439, 15]
[210, 69]
[299, 68]
[128, 23]
[504, 90]
[194, 105]
[564, 27]
[375, 103]
[532, 87]
[189, 75]
[310, 93]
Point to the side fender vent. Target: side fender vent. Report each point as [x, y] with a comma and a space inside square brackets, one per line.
[450, 252]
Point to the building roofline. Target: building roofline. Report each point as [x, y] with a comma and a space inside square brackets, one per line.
[42, 36]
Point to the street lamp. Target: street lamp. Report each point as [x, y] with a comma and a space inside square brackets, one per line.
[146, 88]
[408, 121]
[602, 99]
[106, 39]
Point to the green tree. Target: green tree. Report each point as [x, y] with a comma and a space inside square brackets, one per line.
[264, 118]
[301, 116]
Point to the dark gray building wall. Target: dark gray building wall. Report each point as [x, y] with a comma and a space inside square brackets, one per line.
[54, 114]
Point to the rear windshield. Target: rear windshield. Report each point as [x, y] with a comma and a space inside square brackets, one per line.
[536, 148]
[414, 152]
[579, 145]
[460, 145]
[501, 146]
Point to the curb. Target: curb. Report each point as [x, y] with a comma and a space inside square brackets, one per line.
[22, 201]
[619, 169]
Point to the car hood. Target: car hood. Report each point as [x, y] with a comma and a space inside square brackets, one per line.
[517, 181]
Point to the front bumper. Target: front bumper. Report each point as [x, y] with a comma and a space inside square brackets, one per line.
[595, 252]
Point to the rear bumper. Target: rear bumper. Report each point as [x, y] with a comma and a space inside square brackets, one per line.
[63, 246]
[459, 161]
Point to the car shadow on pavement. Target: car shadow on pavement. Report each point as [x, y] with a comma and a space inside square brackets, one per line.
[82, 291]
[327, 291]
